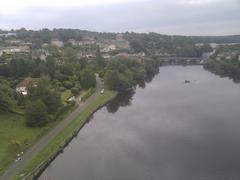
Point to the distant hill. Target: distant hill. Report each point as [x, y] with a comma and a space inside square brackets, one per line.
[216, 39]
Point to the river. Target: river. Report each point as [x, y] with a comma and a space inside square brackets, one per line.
[166, 130]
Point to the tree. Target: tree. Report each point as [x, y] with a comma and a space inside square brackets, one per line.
[116, 81]
[52, 101]
[87, 79]
[111, 79]
[99, 58]
[51, 66]
[43, 91]
[6, 100]
[36, 113]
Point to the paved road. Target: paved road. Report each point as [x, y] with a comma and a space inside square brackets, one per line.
[33, 151]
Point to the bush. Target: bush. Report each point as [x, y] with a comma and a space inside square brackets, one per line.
[75, 90]
[68, 84]
[62, 89]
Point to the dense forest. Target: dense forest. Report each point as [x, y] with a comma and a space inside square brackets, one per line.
[158, 44]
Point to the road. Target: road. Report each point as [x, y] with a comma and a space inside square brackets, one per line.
[35, 149]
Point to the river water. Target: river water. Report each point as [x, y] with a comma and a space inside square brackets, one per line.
[167, 130]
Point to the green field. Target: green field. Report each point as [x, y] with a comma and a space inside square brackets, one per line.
[55, 144]
[65, 96]
[15, 136]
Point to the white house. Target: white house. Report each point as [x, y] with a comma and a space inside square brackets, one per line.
[109, 48]
[14, 49]
[72, 42]
[57, 43]
[8, 34]
[106, 56]
[21, 88]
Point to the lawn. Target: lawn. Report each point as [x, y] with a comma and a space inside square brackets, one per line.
[65, 96]
[13, 129]
[54, 145]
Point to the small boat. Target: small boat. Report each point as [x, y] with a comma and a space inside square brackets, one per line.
[187, 81]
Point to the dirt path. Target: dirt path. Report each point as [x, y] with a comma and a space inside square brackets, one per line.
[33, 151]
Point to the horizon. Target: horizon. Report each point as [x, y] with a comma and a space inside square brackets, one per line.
[51, 29]
[172, 17]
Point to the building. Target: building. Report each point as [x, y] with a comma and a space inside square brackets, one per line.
[14, 49]
[41, 54]
[108, 48]
[106, 56]
[57, 43]
[71, 99]
[228, 57]
[44, 45]
[199, 44]
[21, 88]
[14, 42]
[8, 34]
[72, 42]
[87, 41]
[90, 56]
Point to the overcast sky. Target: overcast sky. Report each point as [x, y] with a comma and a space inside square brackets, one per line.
[184, 17]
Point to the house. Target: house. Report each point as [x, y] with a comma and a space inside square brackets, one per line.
[44, 45]
[41, 54]
[87, 55]
[108, 48]
[218, 58]
[106, 56]
[57, 43]
[228, 57]
[72, 42]
[14, 49]
[199, 44]
[140, 54]
[8, 34]
[86, 41]
[71, 99]
[90, 56]
[21, 88]
[14, 42]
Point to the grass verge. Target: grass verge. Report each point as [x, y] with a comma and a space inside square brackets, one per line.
[53, 147]
[15, 136]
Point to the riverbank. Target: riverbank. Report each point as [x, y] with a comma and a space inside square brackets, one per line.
[16, 136]
[56, 146]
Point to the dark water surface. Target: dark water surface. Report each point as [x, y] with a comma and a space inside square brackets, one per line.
[166, 131]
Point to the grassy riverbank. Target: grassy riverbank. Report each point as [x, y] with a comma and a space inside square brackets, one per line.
[15, 136]
[67, 133]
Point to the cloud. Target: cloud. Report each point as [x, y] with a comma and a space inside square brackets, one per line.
[15, 6]
[193, 17]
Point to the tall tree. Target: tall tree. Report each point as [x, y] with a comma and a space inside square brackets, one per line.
[87, 79]
[36, 113]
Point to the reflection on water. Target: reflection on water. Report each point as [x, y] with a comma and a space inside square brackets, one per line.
[167, 131]
[123, 99]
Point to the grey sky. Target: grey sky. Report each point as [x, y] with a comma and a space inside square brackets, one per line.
[187, 17]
